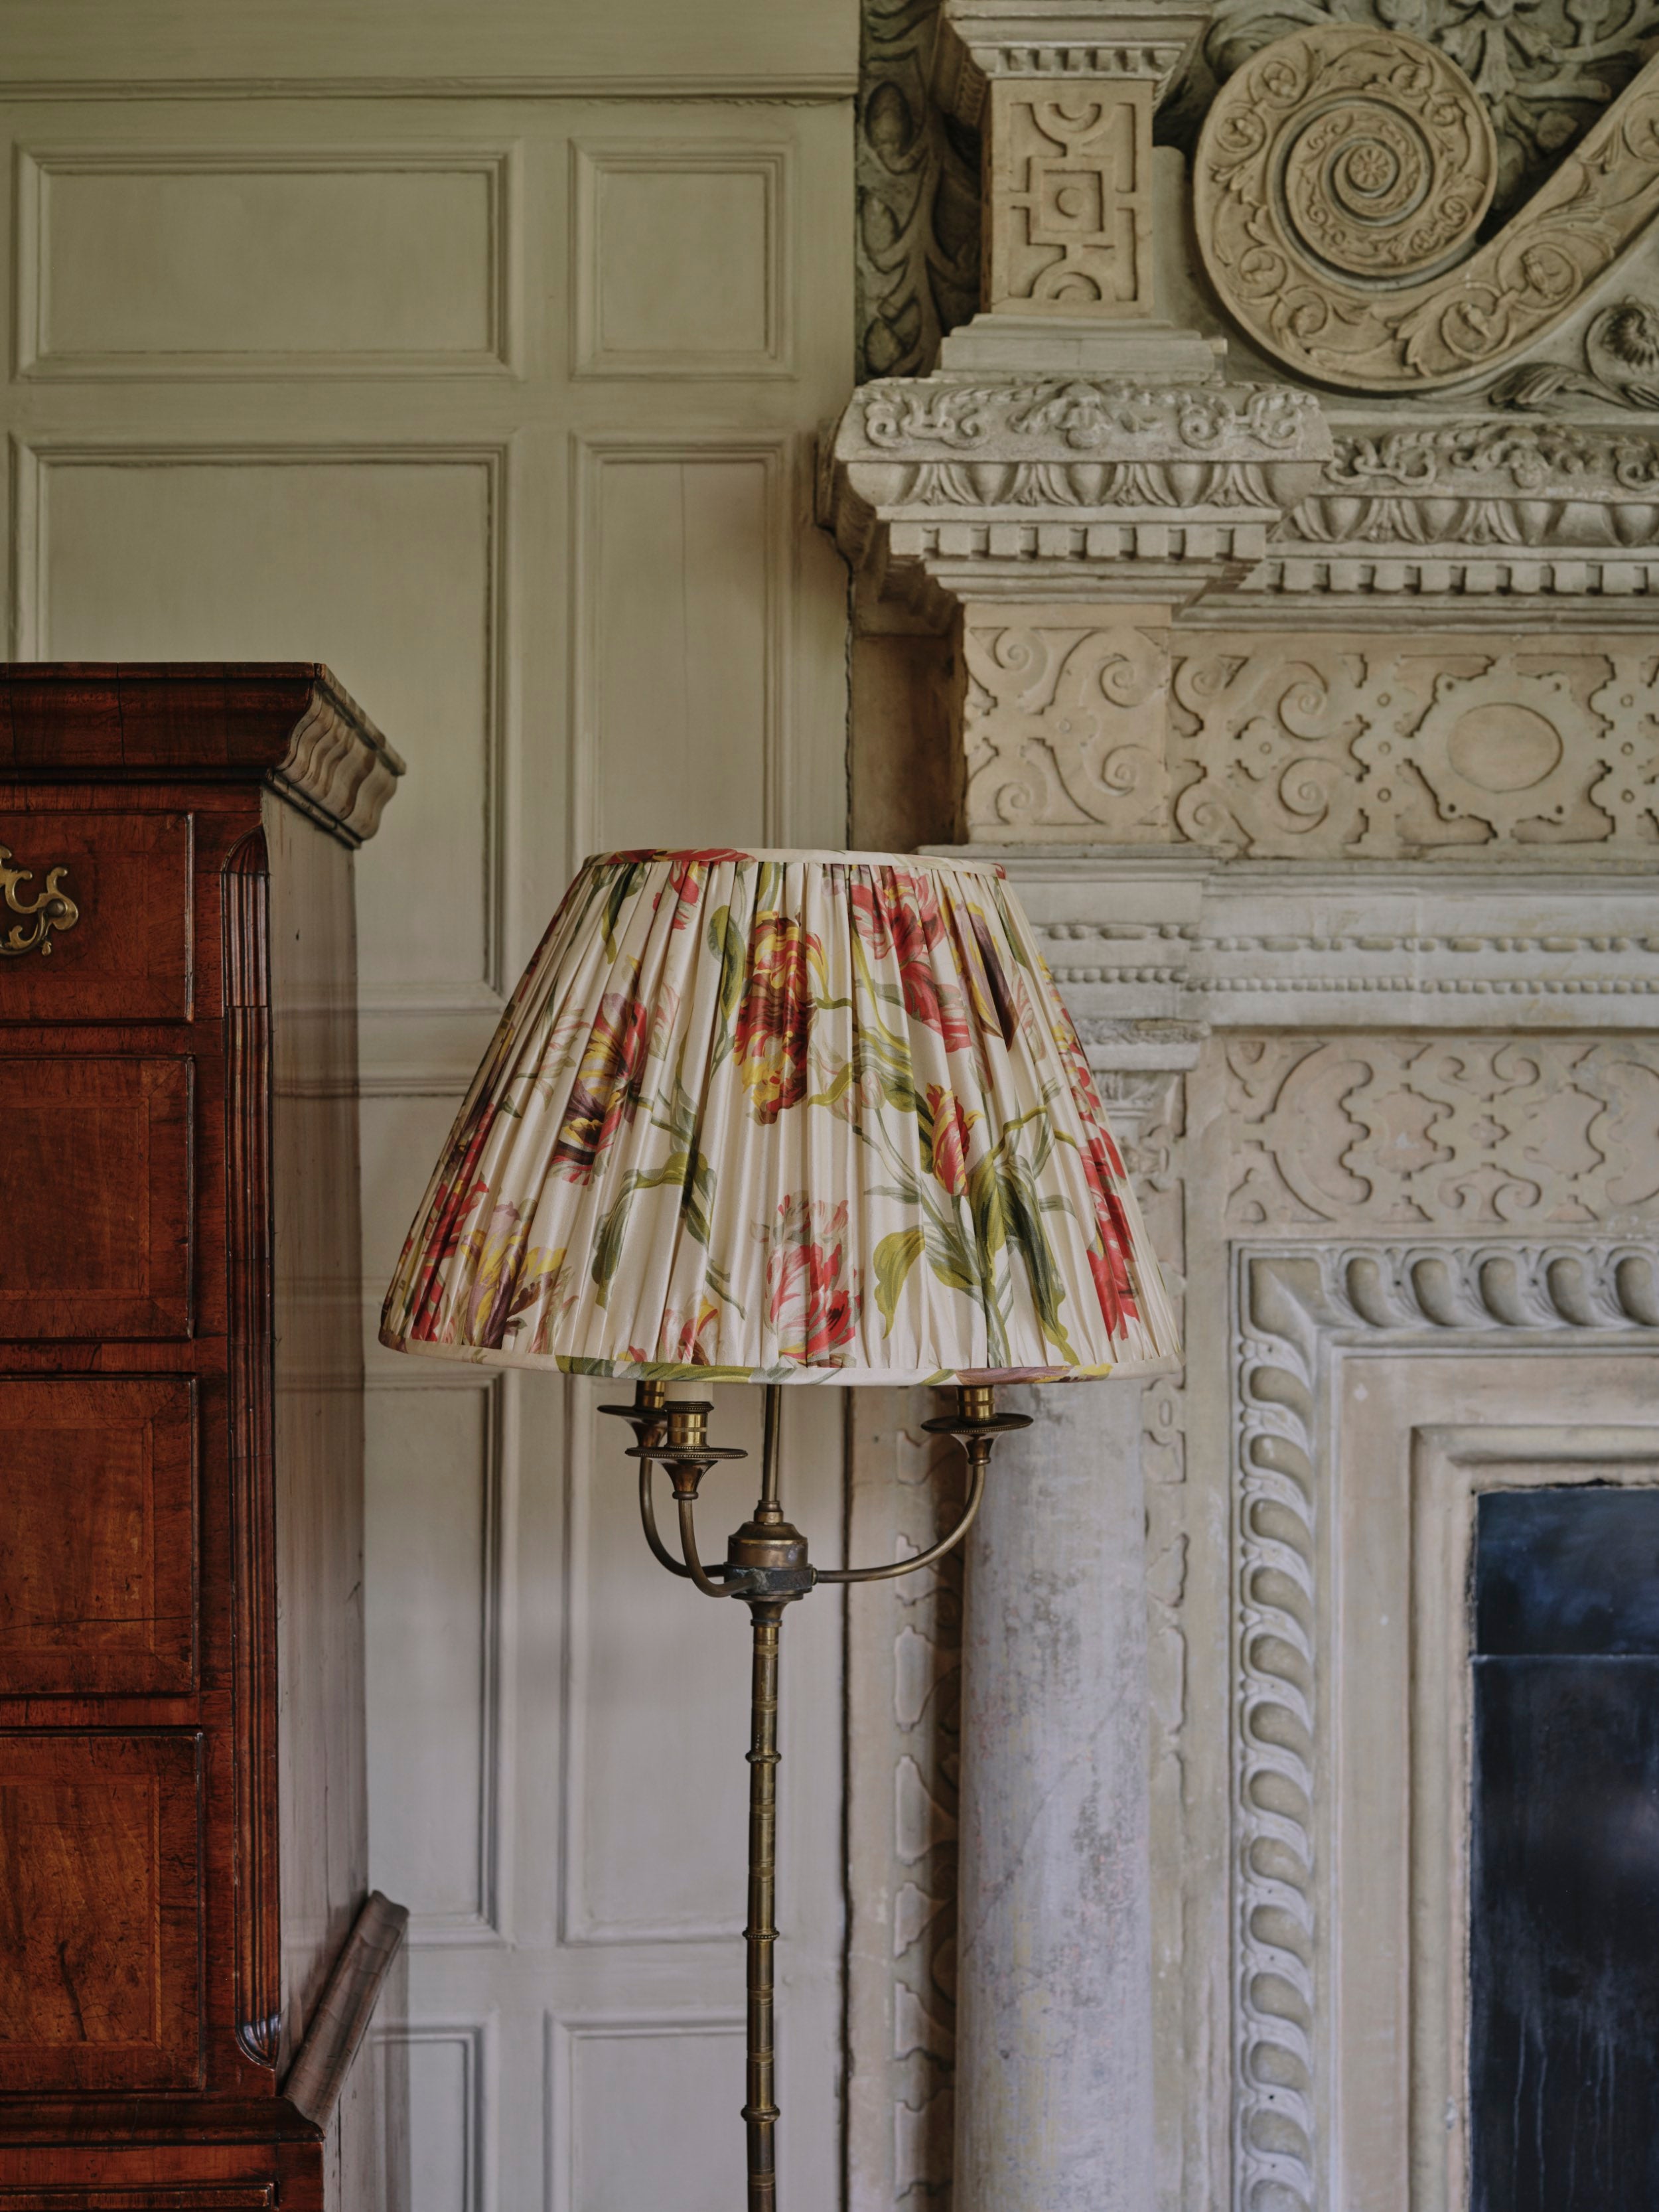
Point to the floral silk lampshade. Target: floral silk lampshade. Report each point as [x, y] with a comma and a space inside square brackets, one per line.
[783, 1117]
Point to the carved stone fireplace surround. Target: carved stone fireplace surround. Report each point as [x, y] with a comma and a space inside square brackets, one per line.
[1320, 735]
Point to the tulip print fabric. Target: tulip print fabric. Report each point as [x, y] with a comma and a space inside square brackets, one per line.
[784, 1117]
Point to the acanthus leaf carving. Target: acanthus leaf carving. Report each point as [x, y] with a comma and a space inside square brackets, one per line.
[1621, 365]
[918, 198]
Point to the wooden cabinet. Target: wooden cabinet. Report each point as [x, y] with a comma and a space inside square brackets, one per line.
[190, 1958]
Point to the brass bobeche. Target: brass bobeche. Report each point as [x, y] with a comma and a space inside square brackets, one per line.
[767, 1567]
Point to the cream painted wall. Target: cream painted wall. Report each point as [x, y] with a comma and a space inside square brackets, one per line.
[496, 389]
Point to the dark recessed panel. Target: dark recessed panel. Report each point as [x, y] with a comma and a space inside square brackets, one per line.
[100, 1942]
[1568, 1570]
[97, 1536]
[96, 1196]
[1565, 1882]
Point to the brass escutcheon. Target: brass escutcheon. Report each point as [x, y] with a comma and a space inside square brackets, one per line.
[53, 909]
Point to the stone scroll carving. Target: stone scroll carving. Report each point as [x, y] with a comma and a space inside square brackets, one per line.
[1055, 721]
[1291, 1302]
[1395, 1133]
[1339, 186]
[1545, 70]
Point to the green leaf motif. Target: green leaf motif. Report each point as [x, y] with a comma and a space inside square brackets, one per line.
[1022, 1209]
[895, 1257]
[727, 942]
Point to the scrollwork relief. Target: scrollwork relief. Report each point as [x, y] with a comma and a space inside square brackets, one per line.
[1394, 1133]
[1353, 744]
[1339, 186]
[1055, 722]
[1544, 69]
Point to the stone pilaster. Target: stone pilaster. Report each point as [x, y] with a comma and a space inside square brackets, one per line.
[1054, 1944]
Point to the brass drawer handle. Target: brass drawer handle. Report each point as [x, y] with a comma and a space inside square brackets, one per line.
[53, 909]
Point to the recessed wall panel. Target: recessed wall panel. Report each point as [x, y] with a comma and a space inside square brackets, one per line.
[430, 1551]
[199, 262]
[678, 589]
[682, 261]
[658, 1688]
[679, 2074]
[379, 563]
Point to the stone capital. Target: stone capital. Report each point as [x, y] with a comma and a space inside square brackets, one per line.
[950, 488]
[1063, 92]
[1139, 41]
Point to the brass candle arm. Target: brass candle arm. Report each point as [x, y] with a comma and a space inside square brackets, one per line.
[893, 1568]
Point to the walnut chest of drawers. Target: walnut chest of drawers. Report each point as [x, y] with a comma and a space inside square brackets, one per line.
[190, 1957]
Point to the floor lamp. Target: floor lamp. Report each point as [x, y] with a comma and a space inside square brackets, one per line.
[782, 1118]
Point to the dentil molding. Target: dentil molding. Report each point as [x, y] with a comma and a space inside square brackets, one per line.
[980, 40]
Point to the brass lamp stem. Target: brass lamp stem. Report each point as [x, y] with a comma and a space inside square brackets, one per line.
[766, 1565]
[760, 2110]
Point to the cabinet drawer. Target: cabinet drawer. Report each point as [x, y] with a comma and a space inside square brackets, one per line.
[96, 1197]
[97, 1536]
[127, 955]
[99, 1947]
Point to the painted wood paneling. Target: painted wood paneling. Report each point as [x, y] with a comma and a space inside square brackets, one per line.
[207, 262]
[540, 493]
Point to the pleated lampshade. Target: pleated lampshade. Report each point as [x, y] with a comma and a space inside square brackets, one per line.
[784, 1117]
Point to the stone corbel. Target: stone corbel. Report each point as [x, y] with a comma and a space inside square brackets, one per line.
[946, 489]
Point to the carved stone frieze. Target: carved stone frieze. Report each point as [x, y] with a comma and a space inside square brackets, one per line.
[1318, 746]
[1365, 745]
[1339, 188]
[1396, 1133]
